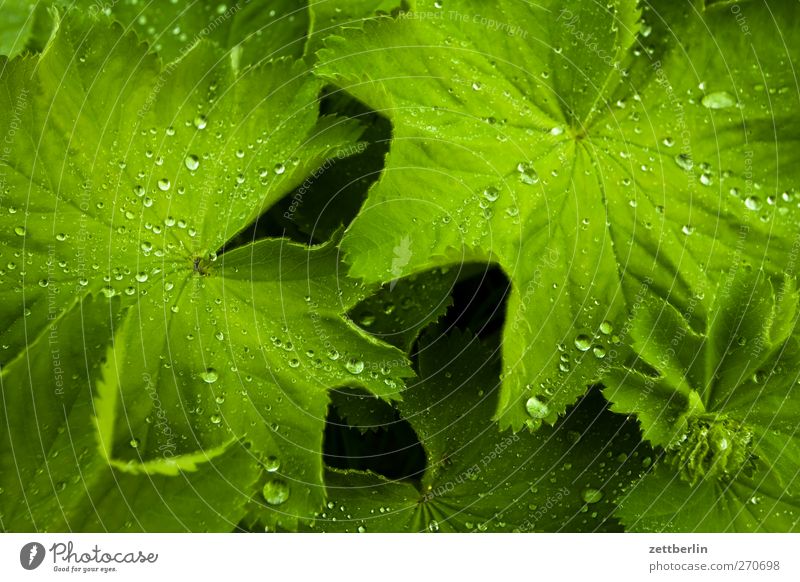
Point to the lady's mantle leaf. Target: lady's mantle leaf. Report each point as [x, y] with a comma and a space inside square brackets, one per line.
[723, 403]
[53, 476]
[594, 150]
[561, 478]
[125, 180]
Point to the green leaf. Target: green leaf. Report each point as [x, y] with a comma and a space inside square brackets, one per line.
[135, 197]
[328, 200]
[399, 311]
[54, 476]
[560, 478]
[362, 411]
[25, 26]
[106, 405]
[329, 17]
[252, 30]
[595, 151]
[722, 402]
[661, 502]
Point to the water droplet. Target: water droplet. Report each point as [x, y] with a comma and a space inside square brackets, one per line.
[753, 202]
[599, 352]
[209, 376]
[433, 526]
[491, 193]
[164, 184]
[685, 162]
[527, 174]
[134, 443]
[216, 419]
[668, 141]
[591, 495]
[583, 342]
[272, 464]
[294, 363]
[354, 366]
[200, 122]
[279, 169]
[20, 230]
[275, 492]
[141, 277]
[557, 130]
[361, 529]
[687, 229]
[192, 162]
[606, 328]
[537, 409]
[718, 100]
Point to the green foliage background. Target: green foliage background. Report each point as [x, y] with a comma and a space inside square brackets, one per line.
[401, 265]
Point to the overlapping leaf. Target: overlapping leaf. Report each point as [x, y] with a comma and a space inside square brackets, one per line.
[125, 181]
[25, 26]
[52, 472]
[561, 478]
[596, 151]
[723, 402]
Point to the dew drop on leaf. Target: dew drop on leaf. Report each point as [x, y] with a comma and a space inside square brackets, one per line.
[591, 495]
[275, 492]
[192, 162]
[527, 174]
[583, 342]
[272, 464]
[491, 194]
[209, 376]
[684, 162]
[354, 366]
[537, 409]
[753, 203]
[718, 100]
